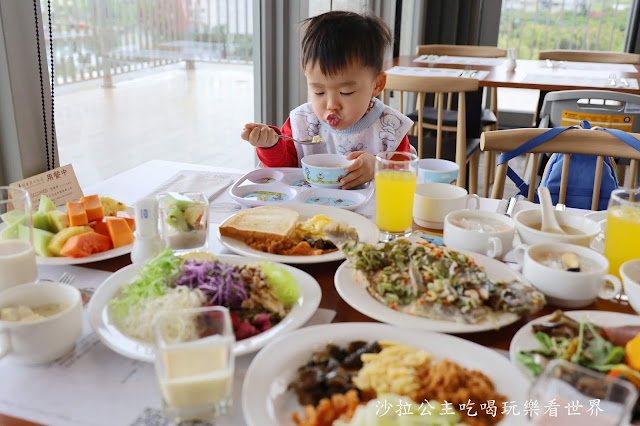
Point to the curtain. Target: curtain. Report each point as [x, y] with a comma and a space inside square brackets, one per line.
[472, 22]
[22, 141]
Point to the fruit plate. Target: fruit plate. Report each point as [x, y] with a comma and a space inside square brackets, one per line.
[109, 254]
[111, 336]
[282, 185]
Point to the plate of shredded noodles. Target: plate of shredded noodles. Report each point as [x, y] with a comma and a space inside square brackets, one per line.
[264, 299]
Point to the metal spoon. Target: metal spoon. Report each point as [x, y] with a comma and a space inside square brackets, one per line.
[549, 222]
[300, 142]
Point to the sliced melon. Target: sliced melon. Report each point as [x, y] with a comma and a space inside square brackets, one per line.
[176, 199]
[40, 240]
[46, 205]
[13, 216]
[59, 220]
[58, 240]
[11, 232]
[42, 221]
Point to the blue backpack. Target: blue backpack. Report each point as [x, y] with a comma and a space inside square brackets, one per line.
[582, 170]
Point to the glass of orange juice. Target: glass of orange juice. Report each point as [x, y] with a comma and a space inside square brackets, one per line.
[194, 362]
[396, 176]
[622, 235]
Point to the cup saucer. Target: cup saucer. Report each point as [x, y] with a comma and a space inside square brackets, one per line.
[429, 225]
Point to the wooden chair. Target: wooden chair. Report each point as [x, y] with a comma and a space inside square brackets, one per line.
[603, 102]
[464, 150]
[589, 56]
[590, 142]
[489, 118]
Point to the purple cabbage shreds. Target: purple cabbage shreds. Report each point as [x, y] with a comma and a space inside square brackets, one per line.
[220, 282]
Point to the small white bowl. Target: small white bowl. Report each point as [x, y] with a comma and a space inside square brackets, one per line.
[568, 289]
[325, 170]
[630, 273]
[45, 340]
[526, 220]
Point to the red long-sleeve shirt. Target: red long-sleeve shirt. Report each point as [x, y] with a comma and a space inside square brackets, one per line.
[283, 153]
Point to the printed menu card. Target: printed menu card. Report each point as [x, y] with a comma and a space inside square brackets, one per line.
[60, 185]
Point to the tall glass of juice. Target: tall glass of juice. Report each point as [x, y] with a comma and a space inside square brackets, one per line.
[396, 176]
[194, 362]
[17, 254]
[622, 236]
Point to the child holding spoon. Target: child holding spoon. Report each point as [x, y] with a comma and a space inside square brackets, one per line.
[342, 56]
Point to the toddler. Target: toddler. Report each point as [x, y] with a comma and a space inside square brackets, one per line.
[342, 56]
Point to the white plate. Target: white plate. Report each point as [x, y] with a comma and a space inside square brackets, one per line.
[310, 295]
[266, 400]
[88, 259]
[524, 339]
[368, 232]
[355, 294]
[597, 216]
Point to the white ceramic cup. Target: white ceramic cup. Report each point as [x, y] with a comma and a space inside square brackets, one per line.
[482, 232]
[567, 289]
[433, 201]
[45, 340]
[437, 170]
[630, 273]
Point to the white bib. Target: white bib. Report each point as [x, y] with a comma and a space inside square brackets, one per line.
[381, 129]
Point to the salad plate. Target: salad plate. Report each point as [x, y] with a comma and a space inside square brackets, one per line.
[112, 337]
[266, 400]
[524, 339]
[353, 290]
[368, 232]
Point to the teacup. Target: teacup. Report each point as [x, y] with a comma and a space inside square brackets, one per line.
[44, 340]
[565, 288]
[437, 170]
[630, 273]
[433, 201]
[482, 232]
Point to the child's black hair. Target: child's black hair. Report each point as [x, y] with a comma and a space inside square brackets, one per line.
[335, 40]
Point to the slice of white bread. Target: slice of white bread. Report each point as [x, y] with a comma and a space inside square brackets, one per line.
[261, 223]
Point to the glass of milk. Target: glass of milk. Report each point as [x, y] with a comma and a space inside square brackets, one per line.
[194, 362]
[17, 255]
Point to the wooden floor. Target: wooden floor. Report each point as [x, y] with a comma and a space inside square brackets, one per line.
[168, 113]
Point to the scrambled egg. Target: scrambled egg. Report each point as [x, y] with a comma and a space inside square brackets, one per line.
[317, 139]
[313, 227]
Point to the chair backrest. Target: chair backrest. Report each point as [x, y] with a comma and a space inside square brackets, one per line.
[589, 56]
[437, 85]
[597, 106]
[460, 50]
[572, 141]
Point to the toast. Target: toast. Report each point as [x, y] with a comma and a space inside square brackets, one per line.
[266, 223]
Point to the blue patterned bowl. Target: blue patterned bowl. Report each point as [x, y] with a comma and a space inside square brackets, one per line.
[325, 170]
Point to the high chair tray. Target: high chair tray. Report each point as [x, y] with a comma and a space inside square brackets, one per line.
[281, 185]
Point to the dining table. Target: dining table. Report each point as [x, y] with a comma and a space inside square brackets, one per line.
[542, 75]
[96, 386]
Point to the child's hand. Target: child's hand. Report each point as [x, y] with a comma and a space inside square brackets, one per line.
[360, 171]
[259, 135]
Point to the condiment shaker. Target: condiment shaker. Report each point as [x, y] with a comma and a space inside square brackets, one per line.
[147, 242]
